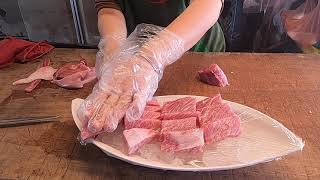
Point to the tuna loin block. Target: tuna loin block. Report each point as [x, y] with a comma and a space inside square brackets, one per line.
[187, 104]
[179, 124]
[213, 75]
[138, 137]
[182, 140]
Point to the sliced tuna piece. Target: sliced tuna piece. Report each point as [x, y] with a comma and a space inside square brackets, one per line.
[153, 102]
[211, 101]
[143, 123]
[179, 124]
[150, 115]
[152, 108]
[137, 138]
[168, 116]
[187, 104]
[215, 131]
[175, 141]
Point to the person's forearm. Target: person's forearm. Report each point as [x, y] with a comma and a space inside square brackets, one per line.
[183, 33]
[195, 21]
[112, 28]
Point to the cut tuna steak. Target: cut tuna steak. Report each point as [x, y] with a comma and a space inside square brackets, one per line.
[152, 108]
[215, 131]
[219, 123]
[138, 137]
[213, 75]
[187, 104]
[179, 124]
[209, 113]
[168, 116]
[143, 123]
[153, 102]
[211, 101]
[182, 140]
[150, 115]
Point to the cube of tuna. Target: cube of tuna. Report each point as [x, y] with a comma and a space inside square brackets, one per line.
[143, 123]
[175, 141]
[187, 104]
[150, 115]
[215, 131]
[168, 116]
[153, 108]
[211, 101]
[153, 102]
[137, 138]
[213, 75]
[209, 113]
[219, 123]
[179, 124]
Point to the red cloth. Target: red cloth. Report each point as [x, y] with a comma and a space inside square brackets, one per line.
[34, 52]
[19, 50]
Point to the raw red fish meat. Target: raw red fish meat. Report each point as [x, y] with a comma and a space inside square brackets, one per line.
[187, 104]
[219, 123]
[150, 115]
[182, 140]
[152, 108]
[143, 123]
[213, 75]
[74, 75]
[153, 102]
[168, 116]
[45, 73]
[138, 137]
[215, 131]
[210, 113]
[211, 101]
[31, 86]
[179, 124]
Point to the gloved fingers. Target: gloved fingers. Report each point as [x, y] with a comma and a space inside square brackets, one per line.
[90, 106]
[117, 112]
[136, 108]
[96, 123]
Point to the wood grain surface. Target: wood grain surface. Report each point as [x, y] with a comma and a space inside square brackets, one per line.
[283, 86]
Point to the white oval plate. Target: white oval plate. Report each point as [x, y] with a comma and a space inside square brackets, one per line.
[262, 139]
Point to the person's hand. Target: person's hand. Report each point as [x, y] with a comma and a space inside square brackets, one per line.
[122, 91]
[128, 78]
[109, 46]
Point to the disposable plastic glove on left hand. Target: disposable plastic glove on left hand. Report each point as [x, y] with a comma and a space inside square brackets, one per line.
[129, 79]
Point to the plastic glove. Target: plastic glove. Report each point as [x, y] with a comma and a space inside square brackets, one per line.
[129, 79]
[108, 47]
